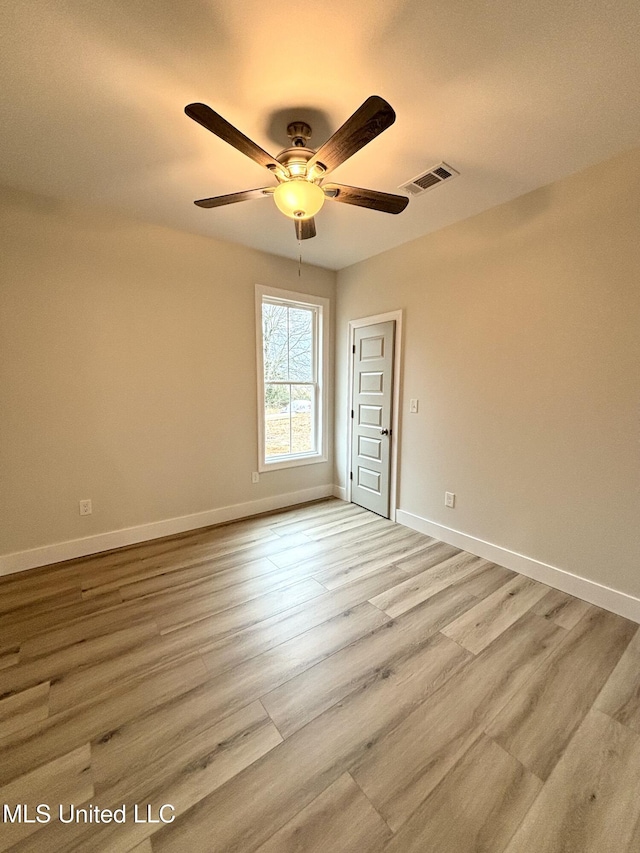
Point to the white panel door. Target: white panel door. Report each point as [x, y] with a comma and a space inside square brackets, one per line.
[371, 416]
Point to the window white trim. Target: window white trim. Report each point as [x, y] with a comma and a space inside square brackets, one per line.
[294, 299]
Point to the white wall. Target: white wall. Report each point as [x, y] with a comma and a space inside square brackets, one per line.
[522, 343]
[128, 373]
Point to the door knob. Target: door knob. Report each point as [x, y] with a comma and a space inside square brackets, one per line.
[384, 432]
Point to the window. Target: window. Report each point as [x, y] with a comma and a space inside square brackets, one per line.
[292, 349]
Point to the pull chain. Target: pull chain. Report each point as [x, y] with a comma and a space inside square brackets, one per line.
[299, 259]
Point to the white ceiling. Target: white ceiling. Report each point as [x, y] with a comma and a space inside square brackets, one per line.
[513, 94]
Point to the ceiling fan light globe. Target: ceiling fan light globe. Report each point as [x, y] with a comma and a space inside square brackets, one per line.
[298, 198]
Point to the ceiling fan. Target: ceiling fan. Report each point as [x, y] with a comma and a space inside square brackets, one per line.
[300, 170]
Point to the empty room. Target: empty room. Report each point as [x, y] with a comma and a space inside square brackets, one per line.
[319, 427]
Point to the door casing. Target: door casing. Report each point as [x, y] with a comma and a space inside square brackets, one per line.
[396, 398]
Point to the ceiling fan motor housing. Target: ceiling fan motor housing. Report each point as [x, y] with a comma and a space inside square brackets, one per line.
[295, 159]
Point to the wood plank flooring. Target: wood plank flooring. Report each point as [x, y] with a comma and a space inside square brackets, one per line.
[316, 679]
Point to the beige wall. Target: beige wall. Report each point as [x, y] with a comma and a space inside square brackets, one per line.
[522, 343]
[127, 372]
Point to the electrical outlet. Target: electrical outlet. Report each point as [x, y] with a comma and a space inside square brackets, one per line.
[85, 507]
[413, 407]
[255, 477]
[449, 499]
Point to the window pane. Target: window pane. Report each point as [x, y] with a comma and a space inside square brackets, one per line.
[302, 418]
[277, 420]
[300, 345]
[291, 335]
[275, 341]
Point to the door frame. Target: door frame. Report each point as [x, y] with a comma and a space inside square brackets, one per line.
[395, 401]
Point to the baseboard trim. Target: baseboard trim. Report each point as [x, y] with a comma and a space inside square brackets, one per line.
[340, 492]
[595, 593]
[20, 561]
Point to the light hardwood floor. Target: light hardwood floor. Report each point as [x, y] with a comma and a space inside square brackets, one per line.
[319, 679]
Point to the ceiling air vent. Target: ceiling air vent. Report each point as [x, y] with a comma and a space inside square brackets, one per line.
[430, 179]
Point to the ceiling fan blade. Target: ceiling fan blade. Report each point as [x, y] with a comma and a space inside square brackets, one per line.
[232, 198]
[374, 200]
[210, 119]
[305, 228]
[368, 121]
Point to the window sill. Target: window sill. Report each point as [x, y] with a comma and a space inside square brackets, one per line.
[292, 462]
